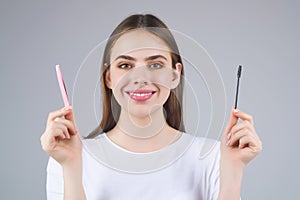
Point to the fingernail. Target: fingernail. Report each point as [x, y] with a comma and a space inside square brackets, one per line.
[229, 135]
[235, 110]
[228, 142]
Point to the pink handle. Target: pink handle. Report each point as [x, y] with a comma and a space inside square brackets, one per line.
[62, 86]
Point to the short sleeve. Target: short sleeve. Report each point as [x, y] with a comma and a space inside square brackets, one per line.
[55, 182]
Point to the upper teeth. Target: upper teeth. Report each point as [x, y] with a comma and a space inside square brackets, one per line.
[140, 94]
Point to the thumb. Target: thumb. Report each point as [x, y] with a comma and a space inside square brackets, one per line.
[231, 122]
[70, 116]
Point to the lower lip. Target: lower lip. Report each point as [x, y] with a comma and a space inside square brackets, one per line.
[141, 98]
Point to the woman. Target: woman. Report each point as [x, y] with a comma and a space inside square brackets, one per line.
[141, 79]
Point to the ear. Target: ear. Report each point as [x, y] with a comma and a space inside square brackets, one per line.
[176, 75]
[107, 78]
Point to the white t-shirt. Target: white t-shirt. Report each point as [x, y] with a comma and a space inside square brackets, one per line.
[111, 172]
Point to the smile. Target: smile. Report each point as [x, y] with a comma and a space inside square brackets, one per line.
[141, 95]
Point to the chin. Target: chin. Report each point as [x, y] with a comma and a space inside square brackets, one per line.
[143, 111]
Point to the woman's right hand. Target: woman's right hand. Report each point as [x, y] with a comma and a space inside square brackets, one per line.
[61, 139]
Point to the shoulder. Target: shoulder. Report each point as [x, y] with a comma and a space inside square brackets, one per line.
[200, 152]
[87, 141]
[204, 153]
[206, 147]
[94, 144]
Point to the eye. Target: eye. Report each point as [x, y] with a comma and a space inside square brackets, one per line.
[124, 66]
[155, 65]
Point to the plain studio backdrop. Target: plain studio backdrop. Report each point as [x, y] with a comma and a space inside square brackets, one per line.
[263, 36]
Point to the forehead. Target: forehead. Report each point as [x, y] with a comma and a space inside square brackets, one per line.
[139, 42]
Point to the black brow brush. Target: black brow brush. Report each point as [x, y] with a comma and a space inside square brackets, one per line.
[237, 85]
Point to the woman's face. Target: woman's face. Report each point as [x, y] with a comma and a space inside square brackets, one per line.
[141, 74]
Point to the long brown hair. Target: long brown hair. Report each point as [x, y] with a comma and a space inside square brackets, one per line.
[173, 105]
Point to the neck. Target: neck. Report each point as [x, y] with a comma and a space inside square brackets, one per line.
[142, 127]
[143, 134]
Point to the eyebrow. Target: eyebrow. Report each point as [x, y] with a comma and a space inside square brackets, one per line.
[155, 57]
[125, 57]
[146, 59]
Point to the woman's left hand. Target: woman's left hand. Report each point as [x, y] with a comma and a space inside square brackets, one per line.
[240, 142]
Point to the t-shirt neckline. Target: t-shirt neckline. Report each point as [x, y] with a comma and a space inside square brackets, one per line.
[144, 153]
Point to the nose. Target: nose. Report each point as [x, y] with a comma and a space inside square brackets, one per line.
[140, 81]
[140, 76]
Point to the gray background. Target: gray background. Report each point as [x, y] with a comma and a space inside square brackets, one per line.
[261, 35]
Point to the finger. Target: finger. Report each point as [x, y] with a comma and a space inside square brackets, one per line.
[49, 141]
[70, 116]
[235, 137]
[63, 127]
[58, 113]
[247, 141]
[231, 122]
[58, 133]
[68, 124]
[242, 125]
[243, 116]
[54, 125]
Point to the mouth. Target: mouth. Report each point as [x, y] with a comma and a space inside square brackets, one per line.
[141, 95]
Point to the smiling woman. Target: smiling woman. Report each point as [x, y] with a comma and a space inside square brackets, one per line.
[142, 88]
[152, 35]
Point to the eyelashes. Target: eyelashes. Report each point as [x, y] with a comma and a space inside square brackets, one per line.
[155, 65]
[125, 66]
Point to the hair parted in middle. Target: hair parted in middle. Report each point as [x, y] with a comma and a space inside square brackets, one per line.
[111, 109]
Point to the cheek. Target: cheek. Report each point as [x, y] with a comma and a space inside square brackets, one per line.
[117, 77]
[164, 94]
[163, 78]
